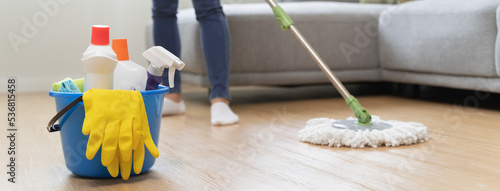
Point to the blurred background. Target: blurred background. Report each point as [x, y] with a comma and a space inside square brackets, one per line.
[42, 41]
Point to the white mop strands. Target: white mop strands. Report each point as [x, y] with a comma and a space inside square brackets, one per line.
[320, 131]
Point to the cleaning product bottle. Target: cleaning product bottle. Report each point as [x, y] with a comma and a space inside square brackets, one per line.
[99, 60]
[160, 59]
[128, 75]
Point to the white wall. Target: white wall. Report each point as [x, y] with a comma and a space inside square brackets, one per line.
[43, 44]
[50, 41]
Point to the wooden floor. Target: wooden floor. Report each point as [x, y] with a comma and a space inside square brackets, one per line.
[262, 151]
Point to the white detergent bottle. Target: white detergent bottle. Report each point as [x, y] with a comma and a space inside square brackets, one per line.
[128, 75]
[99, 60]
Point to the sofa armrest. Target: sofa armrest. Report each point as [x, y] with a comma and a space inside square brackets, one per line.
[441, 37]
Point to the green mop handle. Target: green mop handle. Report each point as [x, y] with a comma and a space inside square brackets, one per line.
[286, 23]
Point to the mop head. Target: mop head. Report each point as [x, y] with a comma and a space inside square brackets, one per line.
[321, 132]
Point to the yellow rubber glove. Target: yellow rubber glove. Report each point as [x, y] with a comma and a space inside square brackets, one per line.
[123, 165]
[144, 140]
[109, 118]
[117, 120]
[119, 163]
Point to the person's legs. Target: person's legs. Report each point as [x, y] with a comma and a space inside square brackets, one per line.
[166, 34]
[216, 46]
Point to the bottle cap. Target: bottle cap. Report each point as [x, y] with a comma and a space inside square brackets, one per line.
[100, 35]
[121, 49]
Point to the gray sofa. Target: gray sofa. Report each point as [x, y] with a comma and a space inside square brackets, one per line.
[447, 43]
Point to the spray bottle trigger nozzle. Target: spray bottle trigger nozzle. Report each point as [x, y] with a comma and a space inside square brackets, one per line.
[171, 73]
[160, 59]
[176, 65]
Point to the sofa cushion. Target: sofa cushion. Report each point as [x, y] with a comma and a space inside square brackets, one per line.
[450, 37]
[350, 1]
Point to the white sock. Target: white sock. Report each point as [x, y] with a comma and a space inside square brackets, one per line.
[221, 114]
[173, 108]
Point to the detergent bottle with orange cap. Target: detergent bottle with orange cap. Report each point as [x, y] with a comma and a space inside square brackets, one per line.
[128, 75]
[99, 60]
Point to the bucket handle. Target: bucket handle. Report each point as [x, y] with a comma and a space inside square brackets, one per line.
[52, 127]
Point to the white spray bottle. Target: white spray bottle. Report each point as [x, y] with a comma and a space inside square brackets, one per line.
[99, 60]
[160, 59]
[128, 75]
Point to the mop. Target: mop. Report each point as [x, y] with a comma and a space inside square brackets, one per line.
[364, 130]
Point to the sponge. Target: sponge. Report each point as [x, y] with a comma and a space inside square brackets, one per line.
[57, 85]
[78, 82]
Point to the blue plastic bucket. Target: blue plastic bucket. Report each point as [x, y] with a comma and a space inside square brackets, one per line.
[74, 143]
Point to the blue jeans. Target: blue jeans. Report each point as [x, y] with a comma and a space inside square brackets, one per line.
[214, 36]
